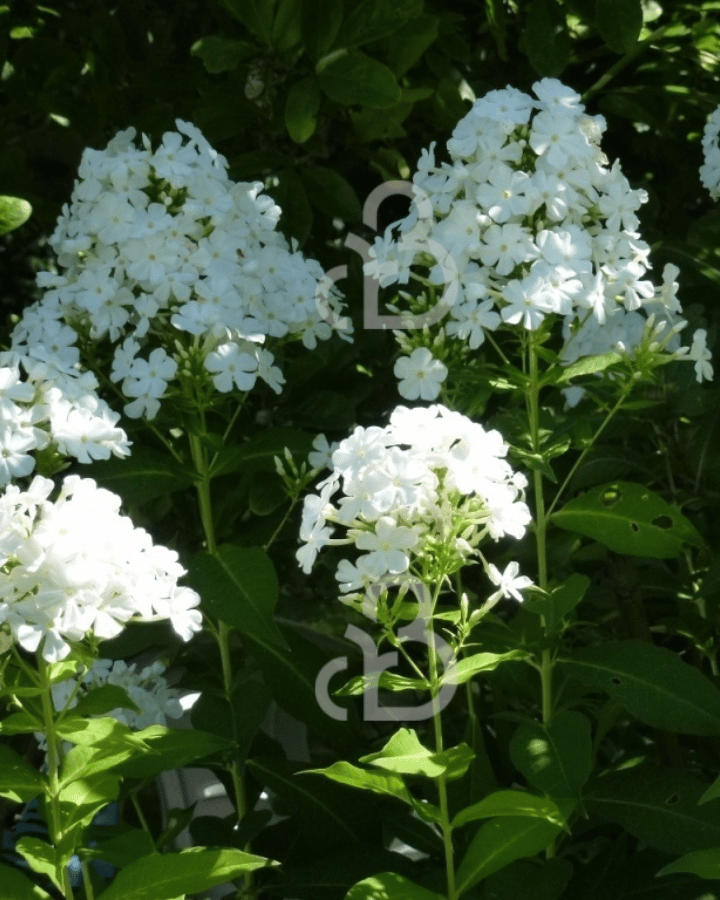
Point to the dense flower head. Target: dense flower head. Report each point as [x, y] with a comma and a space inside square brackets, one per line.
[147, 688]
[536, 224]
[76, 566]
[710, 169]
[431, 483]
[180, 269]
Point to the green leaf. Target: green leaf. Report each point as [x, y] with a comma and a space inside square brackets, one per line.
[498, 843]
[172, 875]
[331, 193]
[712, 793]
[221, 54]
[83, 761]
[389, 886]
[510, 803]
[289, 194]
[19, 886]
[405, 755]
[82, 798]
[121, 850]
[417, 36]
[556, 604]
[256, 15]
[377, 782]
[143, 476]
[238, 585]
[320, 23]
[703, 863]
[629, 519]
[619, 23]
[14, 212]
[301, 109]
[19, 781]
[496, 19]
[386, 681]
[589, 365]
[658, 806]
[172, 749]
[469, 666]
[546, 40]
[653, 683]
[40, 856]
[359, 80]
[286, 32]
[21, 723]
[554, 758]
[371, 20]
[526, 880]
[104, 699]
[258, 454]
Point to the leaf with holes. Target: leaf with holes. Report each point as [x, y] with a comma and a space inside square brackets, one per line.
[654, 684]
[658, 806]
[629, 519]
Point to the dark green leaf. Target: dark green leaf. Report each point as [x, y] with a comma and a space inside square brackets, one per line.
[258, 454]
[525, 880]
[619, 23]
[331, 193]
[417, 36]
[545, 39]
[629, 519]
[221, 54]
[704, 863]
[122, 850]
[289, 194]
[104, 699]
[374, 19]
[301, 108]
[658, 806]
[19, 781]
[320, 23]
[555, 758]
[359, 80]
[257, 15]
[238, 585]
[286, 32]
[173, 749]
[143, 476]
[654, 684]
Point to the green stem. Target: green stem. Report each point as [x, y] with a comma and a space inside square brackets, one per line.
[224, 631]
[139, 813]
[625, 61]
[441, 780]
[87, 883]
[53, 814]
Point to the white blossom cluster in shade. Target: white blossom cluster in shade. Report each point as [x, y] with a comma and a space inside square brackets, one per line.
[710, 169]
[179, 268]
[431, 482]
[147, 688]
[44, 402]
[76, 566]
[527, 220]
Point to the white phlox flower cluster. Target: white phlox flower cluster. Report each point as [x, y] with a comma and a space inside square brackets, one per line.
[431, 483]
[147, 688]
[710, 169]
[41, 403]
[536, 224]
[181, 269]
[76, 566]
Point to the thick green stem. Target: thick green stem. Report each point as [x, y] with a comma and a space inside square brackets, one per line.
[52, 806]
[223, 633]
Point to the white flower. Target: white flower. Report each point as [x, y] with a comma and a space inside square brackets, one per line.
[509, 582]
[235, 369]
[700, 354]
[420, 375]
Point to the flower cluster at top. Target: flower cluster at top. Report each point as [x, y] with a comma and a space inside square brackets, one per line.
[710, 170]
[525, 221]
[75, 567]
[147, 688]
[180, 269]
[416, 498]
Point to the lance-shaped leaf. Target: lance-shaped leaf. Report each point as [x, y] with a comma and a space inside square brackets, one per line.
[171, 875]
[378, 782]
[357, 79]
[619, 22]
[554, 758]
[498, 843]
[660, 807]
[629, 519]
[239, 586]
[19, 886]
[40, 856]
[470, 666]
[510, 803]
[704, 863]
[405, 755]
[653, 683]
